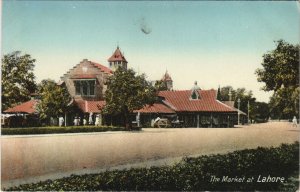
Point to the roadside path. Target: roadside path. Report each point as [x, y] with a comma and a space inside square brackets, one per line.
[38, 157]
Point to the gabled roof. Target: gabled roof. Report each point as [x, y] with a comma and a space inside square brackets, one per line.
[90, 106]
[26, 107]
[155, 108]
[181, 102]
[117, 56]
[102, 67]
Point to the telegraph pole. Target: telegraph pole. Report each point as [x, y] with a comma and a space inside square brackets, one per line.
[239, 101]
[248, 112]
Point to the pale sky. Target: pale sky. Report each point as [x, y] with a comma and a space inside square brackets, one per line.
[214, 43]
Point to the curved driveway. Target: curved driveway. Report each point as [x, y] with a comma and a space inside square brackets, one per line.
[42, 156]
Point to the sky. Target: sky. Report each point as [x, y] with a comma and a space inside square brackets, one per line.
[215, 43]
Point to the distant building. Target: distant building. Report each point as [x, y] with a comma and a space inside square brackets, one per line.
[168, 81]
[195, 108]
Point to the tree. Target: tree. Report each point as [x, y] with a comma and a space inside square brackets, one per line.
[280, 74]
[224, 93]
[54, 99]
[245, 97]
[284, 103]
[259, 112]
[161, 85]
[280, 67]
[240, 93]
[219, 96]
[127, 92]
[18, 79]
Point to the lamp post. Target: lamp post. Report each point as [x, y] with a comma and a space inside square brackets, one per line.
[239, 102]
[248, 112]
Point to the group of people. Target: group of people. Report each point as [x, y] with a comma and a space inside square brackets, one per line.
[77, 121]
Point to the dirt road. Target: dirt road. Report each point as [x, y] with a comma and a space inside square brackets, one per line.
[48, 156]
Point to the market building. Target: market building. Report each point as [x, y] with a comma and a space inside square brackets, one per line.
[86, 83]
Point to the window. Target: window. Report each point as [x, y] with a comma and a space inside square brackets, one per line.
[85, 87]
[194, 95]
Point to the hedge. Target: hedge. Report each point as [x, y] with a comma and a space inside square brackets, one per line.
[191, 174]
[52, 130]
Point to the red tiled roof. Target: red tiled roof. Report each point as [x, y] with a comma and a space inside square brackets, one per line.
[181, 102]
[102, 68]
[155, 108]
[26, 107]
[90, 106]
[83, 76]
[117, 56]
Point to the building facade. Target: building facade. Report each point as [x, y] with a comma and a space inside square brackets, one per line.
[86, 83]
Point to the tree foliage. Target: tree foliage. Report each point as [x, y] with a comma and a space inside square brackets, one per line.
[284, 103]
[280, 67]
[219, 96]
[127, 92]
[280, 73]
[161, 85]
[258, 111]
[240, 93]
[54, 99]
[18, 79]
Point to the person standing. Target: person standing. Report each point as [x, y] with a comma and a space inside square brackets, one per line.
[97, 121]
[294, 121]
[61, 121]
[84, 121]
[76, 121]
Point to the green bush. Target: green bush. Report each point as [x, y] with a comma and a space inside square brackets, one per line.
[191, 174]
[52, 130]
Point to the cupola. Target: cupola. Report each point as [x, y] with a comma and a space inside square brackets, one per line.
[195, 92]
[117, 60]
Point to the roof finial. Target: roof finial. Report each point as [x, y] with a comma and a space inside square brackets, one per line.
[195, 87]
[117, 44]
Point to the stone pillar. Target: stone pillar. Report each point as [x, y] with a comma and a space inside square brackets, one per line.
[211, 120]
[138, 116]
[65, 119]
[100, 119]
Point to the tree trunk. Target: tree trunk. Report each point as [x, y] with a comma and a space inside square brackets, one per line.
[127, 120]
